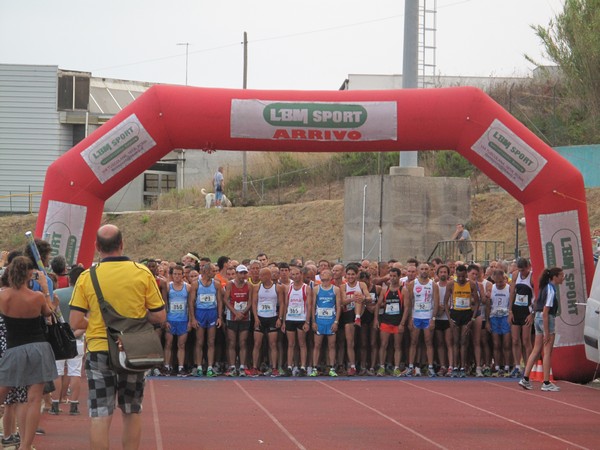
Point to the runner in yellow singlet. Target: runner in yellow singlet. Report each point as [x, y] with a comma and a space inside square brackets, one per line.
[461, 304]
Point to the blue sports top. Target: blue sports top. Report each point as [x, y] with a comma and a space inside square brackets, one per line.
[178, 310]
[206, 296]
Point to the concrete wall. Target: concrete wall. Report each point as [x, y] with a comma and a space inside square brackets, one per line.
[417, 212]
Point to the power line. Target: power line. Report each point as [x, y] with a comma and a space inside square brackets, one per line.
[272, 38]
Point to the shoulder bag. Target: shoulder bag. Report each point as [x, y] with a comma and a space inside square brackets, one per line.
[61, 338]
[133, 345]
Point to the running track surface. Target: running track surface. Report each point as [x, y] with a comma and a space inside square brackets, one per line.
[347, 413]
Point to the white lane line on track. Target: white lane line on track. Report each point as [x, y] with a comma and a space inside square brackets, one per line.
[155, 419]
[514, 422]
[272, 417]
[547, 397]
[394, 421]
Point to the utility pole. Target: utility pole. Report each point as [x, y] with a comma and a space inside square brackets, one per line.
[187, 47]
[410, 63]
[244, 153]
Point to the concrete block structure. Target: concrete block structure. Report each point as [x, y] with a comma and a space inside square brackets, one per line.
[415, 213]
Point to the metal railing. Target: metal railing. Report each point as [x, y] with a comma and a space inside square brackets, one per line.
[469, 251]
[19, 202]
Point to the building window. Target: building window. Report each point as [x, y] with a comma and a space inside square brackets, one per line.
[73, 91]
[156, 183]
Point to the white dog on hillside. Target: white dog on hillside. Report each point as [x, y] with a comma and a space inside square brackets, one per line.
[209, 198]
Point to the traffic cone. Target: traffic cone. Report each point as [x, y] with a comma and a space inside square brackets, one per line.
[537, 372]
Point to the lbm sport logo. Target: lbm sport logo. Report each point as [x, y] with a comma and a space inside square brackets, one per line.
[318, 121]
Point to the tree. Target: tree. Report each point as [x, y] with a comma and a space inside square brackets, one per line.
[572, 41]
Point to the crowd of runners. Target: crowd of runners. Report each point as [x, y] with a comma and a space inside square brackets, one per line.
[406, 319]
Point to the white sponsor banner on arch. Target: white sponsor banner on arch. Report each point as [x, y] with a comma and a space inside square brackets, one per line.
[63, 229]
[562, 248]
[314, 121]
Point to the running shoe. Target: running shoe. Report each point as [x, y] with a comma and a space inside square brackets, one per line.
[442, 372]
[253, 372]
[487, 372]
[357, 322]
[431, 372]
[525, 384]
[74, 409]
[156, 372]
[397, 372]
[198, 372]
[550, 387]
[381, 371]
[352, 371]
[231, 372]
[302, 372]
[462, 373]
[417, 372]
[295, 371]
[210, 373]
[478, 372]
[287, 372]
[275, 373]
[54, 410]
[243, 372]
[516, 373]
[314, 372]
[11, 440]
[501, 373]
[409, 372]
[362, 372]
[371, 372]
[450, 373]
[332, 372]
[268, 372]
[182, 373]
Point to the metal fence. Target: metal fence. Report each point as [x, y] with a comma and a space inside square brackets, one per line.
[13, 201]
[469, 251]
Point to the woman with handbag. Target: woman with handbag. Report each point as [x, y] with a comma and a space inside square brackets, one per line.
[28, 360]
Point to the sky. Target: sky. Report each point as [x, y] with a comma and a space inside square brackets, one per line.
[307, 45]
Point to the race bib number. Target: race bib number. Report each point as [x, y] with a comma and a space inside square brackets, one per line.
[325, 313]
[423, 307]
[206, 299]
[462, 303]
[177, 307]
[265, 307]
[521, 300]
[240, 306]
[350, 306]
[393, 309]
[295, 310]
[373, 297]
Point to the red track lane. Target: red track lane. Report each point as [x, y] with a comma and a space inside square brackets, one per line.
[348, 413]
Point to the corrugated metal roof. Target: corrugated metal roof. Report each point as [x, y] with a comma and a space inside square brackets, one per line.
[109, 96]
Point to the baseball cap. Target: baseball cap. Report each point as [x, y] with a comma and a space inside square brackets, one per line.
[241, 268]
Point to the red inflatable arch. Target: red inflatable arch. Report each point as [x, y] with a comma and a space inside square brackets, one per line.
[463, 119]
